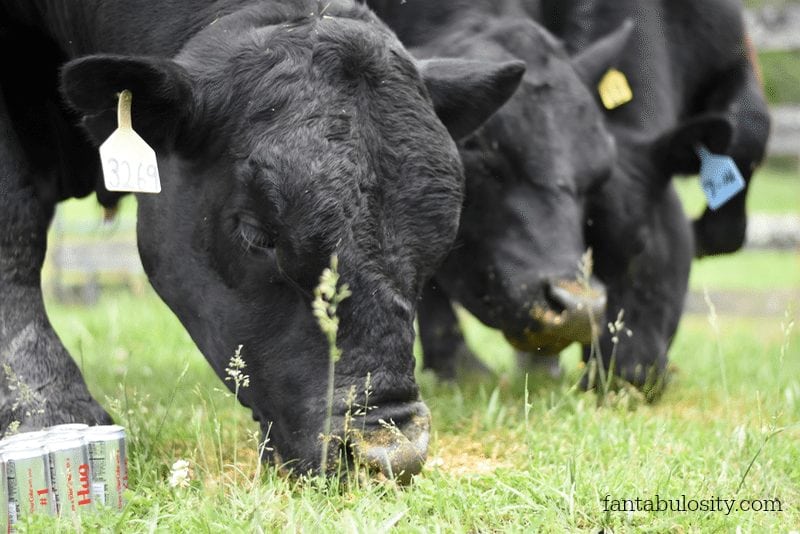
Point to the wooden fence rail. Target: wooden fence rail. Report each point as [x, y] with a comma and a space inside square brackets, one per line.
[785, 137]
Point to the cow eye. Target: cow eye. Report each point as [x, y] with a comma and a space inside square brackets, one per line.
[253, 237]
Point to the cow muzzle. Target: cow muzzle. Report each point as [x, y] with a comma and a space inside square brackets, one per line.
[570, 313]
[394, 444]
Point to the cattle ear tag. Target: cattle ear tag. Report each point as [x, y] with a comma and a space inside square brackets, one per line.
[719, 177]
[129, 164]
[615, 91]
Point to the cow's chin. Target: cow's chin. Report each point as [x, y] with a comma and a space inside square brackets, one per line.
[551, 334]
[546, 344]
[391, 441]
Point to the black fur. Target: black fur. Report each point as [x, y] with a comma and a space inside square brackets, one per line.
[284, 135]
[529, 173]
[685, 58]
[693, 82]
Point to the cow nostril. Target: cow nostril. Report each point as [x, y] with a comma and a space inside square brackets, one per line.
[557, 299]
[575, 297]
[398, 451]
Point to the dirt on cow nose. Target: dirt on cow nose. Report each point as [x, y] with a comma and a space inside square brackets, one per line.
[570, 313]
[573, 306]
[396, 451]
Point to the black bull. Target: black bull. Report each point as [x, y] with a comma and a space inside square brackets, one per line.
[286, 132]
[691, 68]
[530, 171]
[693, 80]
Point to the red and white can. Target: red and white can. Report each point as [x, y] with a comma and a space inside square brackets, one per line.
[27, 479]
[70, 472]
[107, 456]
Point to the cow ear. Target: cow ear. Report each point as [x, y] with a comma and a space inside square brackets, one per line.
[594, 62]
[466, 93]
[161, 89]
[676, 151]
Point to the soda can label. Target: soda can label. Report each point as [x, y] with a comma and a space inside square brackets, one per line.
[107, 456]
[28, 481]
[71, 474]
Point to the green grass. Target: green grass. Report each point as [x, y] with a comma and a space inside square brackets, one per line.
[495, 465]
[762, 3]
[781, 70]
[781, 74]
[748, 270]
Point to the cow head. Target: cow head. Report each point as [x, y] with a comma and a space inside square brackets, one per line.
[529, 172]
[282, 144]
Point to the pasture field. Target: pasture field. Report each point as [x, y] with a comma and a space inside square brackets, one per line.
[513, 452]
[500, 460]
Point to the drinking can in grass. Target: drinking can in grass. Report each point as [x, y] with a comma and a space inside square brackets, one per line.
[67, 428]
[28, 480]
[107, 456]
[4, 525]
[70, 472]
[24, 436]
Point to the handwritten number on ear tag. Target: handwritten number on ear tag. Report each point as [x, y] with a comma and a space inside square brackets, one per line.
[129, 164]
[719, 177]
[615, 91]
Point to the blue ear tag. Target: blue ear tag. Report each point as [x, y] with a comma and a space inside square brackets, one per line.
[719, 177]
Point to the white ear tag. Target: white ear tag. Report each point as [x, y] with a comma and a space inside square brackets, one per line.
[129, 164]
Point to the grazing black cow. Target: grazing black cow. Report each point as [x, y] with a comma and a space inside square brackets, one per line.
[529, 172]
[693, 80]
[685, 59]
[286, 132]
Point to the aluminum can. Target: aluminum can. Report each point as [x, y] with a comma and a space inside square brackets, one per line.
[66, 428]
[4, 525]
[28, 480]
[107, 456]
[23, 436]
[70, 472]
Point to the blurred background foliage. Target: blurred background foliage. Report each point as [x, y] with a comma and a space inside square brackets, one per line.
[781, 69]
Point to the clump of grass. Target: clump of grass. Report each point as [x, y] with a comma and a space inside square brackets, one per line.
[354, 411]
[13, 428]
[235, 372]
[772, 429]
[328, 295]
[24, 397]
[596, 373]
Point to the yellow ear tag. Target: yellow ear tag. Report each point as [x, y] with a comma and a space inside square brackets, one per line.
[129, 164]
[615, 91]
